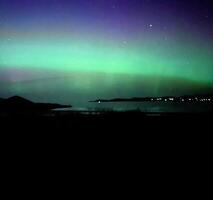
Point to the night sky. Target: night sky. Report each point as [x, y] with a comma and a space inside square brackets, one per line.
[77, 50]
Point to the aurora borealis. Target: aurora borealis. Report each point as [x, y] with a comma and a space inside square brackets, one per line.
[70, 49]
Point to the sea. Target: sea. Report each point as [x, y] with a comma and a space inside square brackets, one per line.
[149, 107]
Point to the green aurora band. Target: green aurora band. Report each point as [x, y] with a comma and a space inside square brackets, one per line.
[149, 56]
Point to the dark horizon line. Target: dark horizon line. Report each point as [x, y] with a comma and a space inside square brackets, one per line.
[152, 98]
[146, 98]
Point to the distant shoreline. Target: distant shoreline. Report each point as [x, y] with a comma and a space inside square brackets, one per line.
[180, 99]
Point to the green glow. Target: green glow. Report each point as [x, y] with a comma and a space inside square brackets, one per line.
[142, 57]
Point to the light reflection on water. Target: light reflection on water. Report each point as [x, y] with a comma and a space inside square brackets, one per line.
[141, 106]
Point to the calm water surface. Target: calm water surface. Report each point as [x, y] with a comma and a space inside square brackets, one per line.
[142, 106]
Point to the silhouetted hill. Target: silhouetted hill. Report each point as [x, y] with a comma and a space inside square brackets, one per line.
[18, 100]
[17, 103]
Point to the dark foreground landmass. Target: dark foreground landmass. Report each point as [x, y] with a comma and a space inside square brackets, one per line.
[92, 133]
[86, 141]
